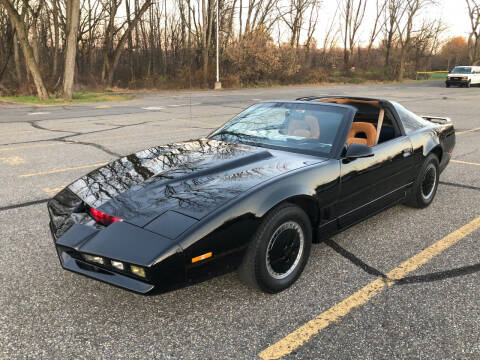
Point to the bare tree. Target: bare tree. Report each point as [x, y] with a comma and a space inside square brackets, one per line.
[352, 12]
[378, 26]
[312, 23]
[170, 43]
[474, 36]
[426, 42]
[6, 47]
[56, 42]
[404, 23]
[112, 51]
[17, 59]
[331, 37]
[294, 18]
[30, 60]
[391, 12]
[73, 18]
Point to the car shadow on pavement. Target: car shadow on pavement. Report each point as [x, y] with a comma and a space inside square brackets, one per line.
[436, 276]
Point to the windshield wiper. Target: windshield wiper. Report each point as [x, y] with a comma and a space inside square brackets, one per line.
[236, 134]
[243, 138]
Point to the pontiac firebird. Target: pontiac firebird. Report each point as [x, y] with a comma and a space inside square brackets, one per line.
[253, 195]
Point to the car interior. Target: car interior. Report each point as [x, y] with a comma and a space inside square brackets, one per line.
[307, 127]
[372, 124]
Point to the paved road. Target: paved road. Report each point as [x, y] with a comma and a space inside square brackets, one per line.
[49, 313]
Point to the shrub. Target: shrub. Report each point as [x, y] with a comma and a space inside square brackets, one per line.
[254, 58]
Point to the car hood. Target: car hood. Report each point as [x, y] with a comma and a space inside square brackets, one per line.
[192, 178]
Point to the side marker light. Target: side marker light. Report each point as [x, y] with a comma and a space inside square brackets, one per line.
[201, 257]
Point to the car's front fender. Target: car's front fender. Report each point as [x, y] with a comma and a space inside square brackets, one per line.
[232, 225]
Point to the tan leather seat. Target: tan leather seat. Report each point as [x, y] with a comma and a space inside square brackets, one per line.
[362, 127]
[307, 127]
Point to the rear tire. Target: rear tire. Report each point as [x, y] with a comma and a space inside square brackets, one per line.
[447, 85]
[279, 250]
[426, 183]
[468, 84]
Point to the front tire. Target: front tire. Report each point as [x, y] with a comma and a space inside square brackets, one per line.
[279, 250]
[426, 183]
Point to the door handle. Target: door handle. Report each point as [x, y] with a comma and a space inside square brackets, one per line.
[406, 153]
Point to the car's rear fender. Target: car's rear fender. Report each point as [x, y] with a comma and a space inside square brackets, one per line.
[439, 139]
[441, 143]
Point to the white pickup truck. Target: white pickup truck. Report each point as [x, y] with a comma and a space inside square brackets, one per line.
[463, 76]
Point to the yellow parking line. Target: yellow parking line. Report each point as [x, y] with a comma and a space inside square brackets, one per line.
[304, 333]
[465, 162]
[53, 191]
[30, 146]
[13, 160]
[62, 170]
[467, 131]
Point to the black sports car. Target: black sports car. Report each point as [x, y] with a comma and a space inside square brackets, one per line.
[254, 194]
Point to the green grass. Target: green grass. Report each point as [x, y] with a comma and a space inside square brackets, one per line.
[432, 75]
[80, 97]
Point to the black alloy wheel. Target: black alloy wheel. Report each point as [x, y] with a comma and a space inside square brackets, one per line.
[279, 250]
[426, 184]
[284, 250]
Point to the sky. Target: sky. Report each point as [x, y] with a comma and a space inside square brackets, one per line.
[453, 13]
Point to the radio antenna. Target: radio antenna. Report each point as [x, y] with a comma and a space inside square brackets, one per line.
[190, 81]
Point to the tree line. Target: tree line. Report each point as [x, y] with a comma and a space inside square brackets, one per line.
[49, 46]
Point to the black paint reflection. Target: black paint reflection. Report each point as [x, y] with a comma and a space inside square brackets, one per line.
[193, 177]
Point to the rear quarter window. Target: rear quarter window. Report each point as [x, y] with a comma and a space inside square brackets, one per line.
[410, 121]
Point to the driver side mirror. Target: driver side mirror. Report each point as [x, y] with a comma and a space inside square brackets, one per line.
[355, 151]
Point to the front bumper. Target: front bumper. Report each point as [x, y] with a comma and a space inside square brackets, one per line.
[81, 267]
[128, 244]
[456, 82]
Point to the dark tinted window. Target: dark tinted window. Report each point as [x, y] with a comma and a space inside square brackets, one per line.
[461, 70]
[410, 121]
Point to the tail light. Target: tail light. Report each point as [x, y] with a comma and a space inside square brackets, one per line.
[103, 218]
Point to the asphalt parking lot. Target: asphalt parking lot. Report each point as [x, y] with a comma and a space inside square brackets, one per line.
[340, 308]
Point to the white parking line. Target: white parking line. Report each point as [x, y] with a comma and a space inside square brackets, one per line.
[39, 113]
[153, 108]
[178, 105]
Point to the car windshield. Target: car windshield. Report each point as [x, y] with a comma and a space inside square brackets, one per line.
[300, 127]
[461, 70]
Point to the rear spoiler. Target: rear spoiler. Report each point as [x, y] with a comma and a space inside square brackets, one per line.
[437, 119]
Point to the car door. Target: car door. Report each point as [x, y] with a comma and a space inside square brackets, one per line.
[370, 184]
[476, 75]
